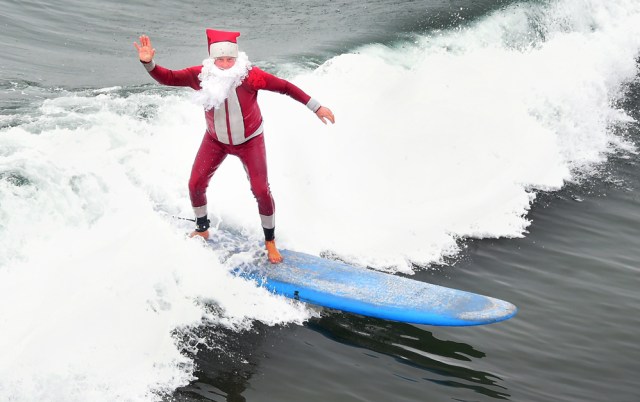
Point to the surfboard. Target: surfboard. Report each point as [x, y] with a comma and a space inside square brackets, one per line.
[336, 285]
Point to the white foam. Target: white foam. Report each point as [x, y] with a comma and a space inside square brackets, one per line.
[450, 137]
[97, 279]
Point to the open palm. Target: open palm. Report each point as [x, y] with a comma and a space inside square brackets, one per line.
[145, 50]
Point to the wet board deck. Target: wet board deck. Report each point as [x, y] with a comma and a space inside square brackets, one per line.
[340, 286]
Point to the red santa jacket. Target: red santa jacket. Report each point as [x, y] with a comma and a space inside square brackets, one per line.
[239, 119]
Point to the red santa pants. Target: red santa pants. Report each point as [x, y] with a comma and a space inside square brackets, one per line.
[254, 159]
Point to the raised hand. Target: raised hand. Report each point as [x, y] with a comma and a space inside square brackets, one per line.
[145, 50]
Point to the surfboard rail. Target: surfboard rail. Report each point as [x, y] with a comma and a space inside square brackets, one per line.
[336, 285]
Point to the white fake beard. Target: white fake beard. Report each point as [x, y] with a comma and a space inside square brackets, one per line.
[217, 84]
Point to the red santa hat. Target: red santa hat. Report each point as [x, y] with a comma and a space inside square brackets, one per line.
[222, 43]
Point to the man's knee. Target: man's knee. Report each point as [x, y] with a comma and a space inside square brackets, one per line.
[197, 187]
[195, 184]
[261, 190]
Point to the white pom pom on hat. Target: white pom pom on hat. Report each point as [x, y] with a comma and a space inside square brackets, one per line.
[222, 43]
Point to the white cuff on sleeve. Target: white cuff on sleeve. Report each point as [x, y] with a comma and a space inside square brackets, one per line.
[313, 105]
[149, 66]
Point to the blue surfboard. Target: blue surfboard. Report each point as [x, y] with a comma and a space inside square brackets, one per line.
[340, 286]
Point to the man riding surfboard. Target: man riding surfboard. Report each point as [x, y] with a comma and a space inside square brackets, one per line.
[228, 86]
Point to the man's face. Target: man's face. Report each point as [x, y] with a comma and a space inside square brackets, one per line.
[224, 63]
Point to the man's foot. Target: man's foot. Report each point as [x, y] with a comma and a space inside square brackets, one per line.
[272, 252]
[202, 228]
[204, 235]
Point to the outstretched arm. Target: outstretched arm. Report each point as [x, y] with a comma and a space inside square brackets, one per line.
[262, 80]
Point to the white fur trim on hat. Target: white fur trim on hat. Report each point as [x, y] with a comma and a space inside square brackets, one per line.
[223, 49]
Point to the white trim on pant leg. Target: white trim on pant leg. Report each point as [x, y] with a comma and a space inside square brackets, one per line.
[268, 221]
[200, 211]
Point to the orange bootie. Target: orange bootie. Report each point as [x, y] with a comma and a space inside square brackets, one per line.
[272, 252]
[204, 235]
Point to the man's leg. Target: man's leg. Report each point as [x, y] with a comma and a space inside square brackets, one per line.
[208, 159]
[254, 159]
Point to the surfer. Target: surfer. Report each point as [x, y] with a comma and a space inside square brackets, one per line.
[227, 86]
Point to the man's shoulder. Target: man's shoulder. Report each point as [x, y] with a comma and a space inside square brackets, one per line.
[256, 78]
[255, 71]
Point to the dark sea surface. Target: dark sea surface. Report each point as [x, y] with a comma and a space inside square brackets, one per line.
[68, 67]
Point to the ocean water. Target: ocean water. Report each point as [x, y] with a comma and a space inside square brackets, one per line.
[490, 146]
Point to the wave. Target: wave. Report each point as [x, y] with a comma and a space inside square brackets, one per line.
[450, 136]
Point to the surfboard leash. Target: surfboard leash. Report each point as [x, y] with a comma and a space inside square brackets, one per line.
[184, 219]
